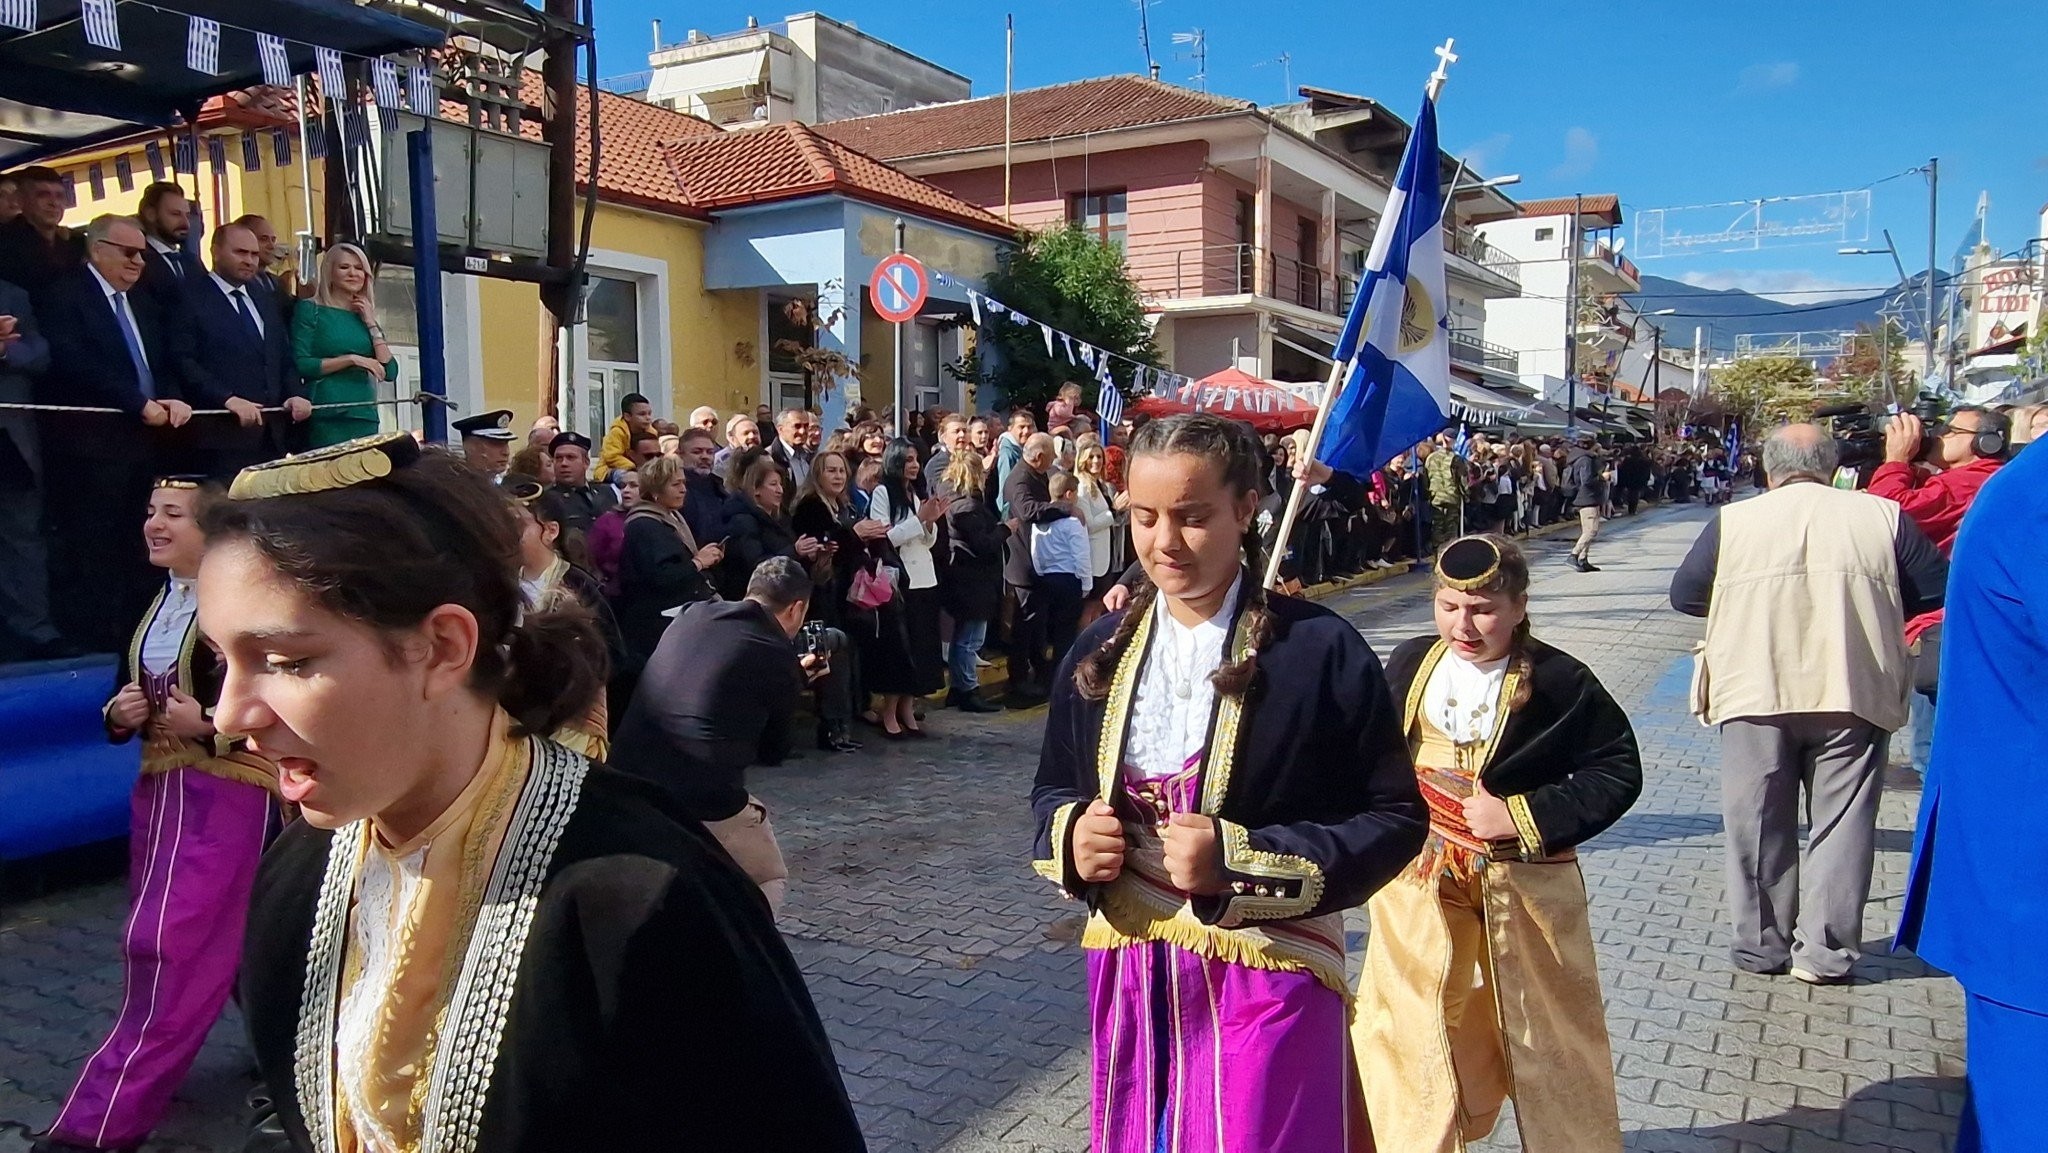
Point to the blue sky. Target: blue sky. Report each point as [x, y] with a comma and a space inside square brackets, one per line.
[1667, 104]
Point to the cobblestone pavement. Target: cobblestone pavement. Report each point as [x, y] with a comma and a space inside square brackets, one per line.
[951, 983]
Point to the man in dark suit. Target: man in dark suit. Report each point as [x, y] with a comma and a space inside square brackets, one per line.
[719, 695]
[282, 291]
[109, 347]
[1027, 492]
[25, 625]
[238, 357]
[792, 433]
[35, 247]
[166, 218]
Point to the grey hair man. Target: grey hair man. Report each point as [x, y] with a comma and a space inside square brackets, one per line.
[1805, 590]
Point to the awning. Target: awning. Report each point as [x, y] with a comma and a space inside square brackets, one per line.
[59, 93]
[1484, 400]
[716, 74]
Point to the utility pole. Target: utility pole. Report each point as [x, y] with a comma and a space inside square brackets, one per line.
[1571, 320]
[1933, 222]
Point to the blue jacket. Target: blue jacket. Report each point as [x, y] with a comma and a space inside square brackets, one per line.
[1977, 893]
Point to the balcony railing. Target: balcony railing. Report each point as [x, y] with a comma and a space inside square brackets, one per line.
[1233, 270]
[1467, 348]
[1473, 247]
[1598, 251]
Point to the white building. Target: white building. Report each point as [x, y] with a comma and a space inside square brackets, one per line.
[1546, 237]
[808, 69]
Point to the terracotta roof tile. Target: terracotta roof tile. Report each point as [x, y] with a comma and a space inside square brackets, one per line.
[786, 161]
[1084, 106]
[1604, 204]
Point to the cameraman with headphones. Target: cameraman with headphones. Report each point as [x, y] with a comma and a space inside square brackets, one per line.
[1967, 448]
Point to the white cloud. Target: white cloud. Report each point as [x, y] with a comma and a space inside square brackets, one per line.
[1789, 285]
[1764, 77]
[1581, 152]
[1485, 155]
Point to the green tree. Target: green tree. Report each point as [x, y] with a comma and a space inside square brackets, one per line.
[1077, 284]
[1874, 365]
[1766, 390]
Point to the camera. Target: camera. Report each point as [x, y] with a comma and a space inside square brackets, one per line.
[1858, 430]
[810, 638]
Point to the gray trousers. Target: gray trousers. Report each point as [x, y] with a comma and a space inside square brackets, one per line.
[1782, 909]
[1589, 528]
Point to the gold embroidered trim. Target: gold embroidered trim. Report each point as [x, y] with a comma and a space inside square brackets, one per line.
[1525, 825]
[1116, 712]
[1055, 868]
[1124, 917]
[335, 466]
[1412, 708]
[1267, 897]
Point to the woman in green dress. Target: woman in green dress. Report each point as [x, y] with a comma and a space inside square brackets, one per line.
[340, 347]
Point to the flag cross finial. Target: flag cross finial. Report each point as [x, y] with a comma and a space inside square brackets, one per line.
[1444, 59]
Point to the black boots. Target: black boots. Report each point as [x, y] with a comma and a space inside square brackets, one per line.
[834, 738]
[971, 702]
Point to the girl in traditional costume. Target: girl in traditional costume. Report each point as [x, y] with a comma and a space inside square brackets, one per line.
[475, 939]
[1479, 980]
[1223, 774]
[200, 812]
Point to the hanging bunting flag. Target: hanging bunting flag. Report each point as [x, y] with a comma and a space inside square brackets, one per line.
[1019, 317]
[202, 44]
[974, 303]
[19, 14]
[277, 66]
[70, 190]
[1046, 331]
[328, 62]
[124, 173]
[102, 27]
[155, 152]
[217, 152]
[355, 126]
[1068, 342]
[1087, 355]
[1109, 405]
[186, 154]
[421, 92]
[316, 140]
[252, 153]
[281, 148]
[1103, 377]
[384, 82]
[98, 179]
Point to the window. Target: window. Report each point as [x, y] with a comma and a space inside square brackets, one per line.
[613, 312]
[1546, 233]
[397, 305]
[1101, 213]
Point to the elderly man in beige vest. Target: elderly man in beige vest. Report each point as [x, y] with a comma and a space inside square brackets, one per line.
[1806, 591]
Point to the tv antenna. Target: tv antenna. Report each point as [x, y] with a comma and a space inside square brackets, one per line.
[1286, 62]
[1145, 38]
[1198, 50]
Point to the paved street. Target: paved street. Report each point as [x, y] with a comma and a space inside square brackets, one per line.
[949, 976]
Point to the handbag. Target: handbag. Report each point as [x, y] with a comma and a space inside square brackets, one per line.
[871, 588]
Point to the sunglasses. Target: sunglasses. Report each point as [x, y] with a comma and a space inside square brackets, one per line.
[128, 252]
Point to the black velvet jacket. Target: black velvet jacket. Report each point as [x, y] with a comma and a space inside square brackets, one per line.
[1316, 799]
[1565, 762]
[654, 1007]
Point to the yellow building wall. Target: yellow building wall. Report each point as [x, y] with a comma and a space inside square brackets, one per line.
[225, 194]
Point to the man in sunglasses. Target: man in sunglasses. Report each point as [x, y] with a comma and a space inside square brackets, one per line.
[1967, 449]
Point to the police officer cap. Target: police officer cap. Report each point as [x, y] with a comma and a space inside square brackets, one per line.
[487, 425]
[575, 438]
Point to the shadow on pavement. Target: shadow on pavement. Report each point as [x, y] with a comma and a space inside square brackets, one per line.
[1907, 1113]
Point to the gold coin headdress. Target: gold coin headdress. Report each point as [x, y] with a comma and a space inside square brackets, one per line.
[336, 466]
[1468, 563]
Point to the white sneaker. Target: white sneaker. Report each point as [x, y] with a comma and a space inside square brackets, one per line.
[1813, 978]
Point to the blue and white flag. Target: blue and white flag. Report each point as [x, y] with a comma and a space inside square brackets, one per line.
[277, 66]
[421, 92]
[202, 44]
[1462, 447]
[217, 152]
[102, 27]
[155, 153]
[1109, 405]
[252, 153]
[18, 14]
[384, 82]
[185, 155]
[281, 148]
[1397, 390]
[124, 172]
[332, 86]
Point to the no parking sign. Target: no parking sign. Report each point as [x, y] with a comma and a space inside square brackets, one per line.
[899, 287]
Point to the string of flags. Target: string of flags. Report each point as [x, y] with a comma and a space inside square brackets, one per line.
[1145, 379]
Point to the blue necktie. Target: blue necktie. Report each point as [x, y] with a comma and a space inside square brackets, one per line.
[248, 316]
[133, 339]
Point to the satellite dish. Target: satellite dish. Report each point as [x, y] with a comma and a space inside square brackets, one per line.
[1618, 242]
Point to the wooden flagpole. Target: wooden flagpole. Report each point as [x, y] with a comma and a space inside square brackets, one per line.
[1338, 372]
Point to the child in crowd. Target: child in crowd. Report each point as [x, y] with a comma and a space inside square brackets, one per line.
[1061, 559]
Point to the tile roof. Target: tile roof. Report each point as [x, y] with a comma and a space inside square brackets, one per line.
[1603, 204]
[784, 161]
[1083, 106]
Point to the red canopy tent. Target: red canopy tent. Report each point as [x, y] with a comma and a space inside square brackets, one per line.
[1239, 395]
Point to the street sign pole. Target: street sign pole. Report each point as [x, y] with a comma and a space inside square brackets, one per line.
[897, 393]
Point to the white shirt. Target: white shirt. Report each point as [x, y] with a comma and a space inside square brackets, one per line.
[912, 537]
[165, 640]
[1462, 697]
[1061, 546]
[1171, 707]
[231, 289]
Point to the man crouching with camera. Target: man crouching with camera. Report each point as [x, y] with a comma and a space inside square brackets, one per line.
[718, 696]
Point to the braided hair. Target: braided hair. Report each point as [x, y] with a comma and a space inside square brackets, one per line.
[1234, 450]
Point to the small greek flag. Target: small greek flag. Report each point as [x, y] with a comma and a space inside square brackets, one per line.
[1046, 330]
[316, 140]
[328, 62]
[19, 14]
[155, 153]
[252, 153]
[124, 173]
[384, 82]
[102, 27]
[355, 128]
[217, 152]
[421, 91]
[98, 179]
[202, 44]
[277, 66]
[1109, 405]
[281, 148]
[70, 190]
[187, 154]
